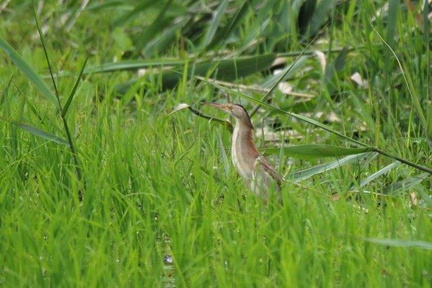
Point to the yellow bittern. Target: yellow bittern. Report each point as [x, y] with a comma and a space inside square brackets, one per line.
[257, 172]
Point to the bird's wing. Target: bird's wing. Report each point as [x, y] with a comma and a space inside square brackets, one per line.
[261, 161]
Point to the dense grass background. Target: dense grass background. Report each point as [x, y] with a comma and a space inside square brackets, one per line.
[159, 185]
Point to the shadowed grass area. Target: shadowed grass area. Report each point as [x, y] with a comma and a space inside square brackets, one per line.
[159, 186]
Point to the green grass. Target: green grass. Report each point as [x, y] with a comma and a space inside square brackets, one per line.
[157, 184]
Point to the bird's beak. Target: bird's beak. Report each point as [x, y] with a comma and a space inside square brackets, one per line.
[218, 105]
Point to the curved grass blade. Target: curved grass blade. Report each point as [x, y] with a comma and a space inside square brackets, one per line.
[304, 174]
[312, 151]
[28, 71]
[42, 134]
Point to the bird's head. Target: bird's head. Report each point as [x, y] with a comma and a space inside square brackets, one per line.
[235, 110]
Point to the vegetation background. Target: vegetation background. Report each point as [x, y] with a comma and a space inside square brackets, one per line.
[101, 186]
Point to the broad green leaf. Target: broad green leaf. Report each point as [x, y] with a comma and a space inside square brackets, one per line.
[304, 174]
[400, 243]
[28, 71]
[221, 69]
[311, 151]
[40, 133]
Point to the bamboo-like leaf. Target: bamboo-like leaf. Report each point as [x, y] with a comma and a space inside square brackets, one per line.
[312, 151]
[375, 175]
[400, 243]
[304, 174]
[28, 71]
[405, 184]
[40, 133]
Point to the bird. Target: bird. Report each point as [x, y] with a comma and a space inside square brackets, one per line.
[257, 172]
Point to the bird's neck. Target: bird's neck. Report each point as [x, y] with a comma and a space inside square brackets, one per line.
[243, 150]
